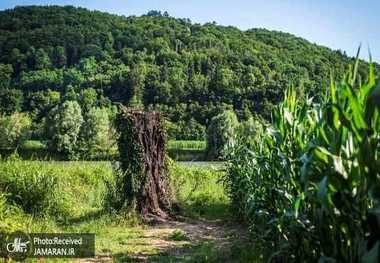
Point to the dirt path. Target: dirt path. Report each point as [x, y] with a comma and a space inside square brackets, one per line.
[180, 240]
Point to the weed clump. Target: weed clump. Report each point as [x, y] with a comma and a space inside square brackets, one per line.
[178, 235]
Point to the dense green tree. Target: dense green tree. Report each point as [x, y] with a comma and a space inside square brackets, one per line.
[41, 59]
[64, 127]
[40, 103]
[71, 94]
[37, 58]
[248, 129]
[186, 130]
[92, 50]
[96, 137]
[108, 42]
[10, 100]
[135, 79]
[5, 75]
[43, 79]
[59, 58]
[88, 99]
[14, 129]
[221, 134]
[119, 91]
[73, 77]
[18, 61]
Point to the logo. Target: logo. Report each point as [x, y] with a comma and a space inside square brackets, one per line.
[18, 245]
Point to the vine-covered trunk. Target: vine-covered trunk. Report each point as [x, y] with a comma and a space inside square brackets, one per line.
[142, 157]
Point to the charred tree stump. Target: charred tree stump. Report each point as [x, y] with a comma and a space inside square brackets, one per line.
[142, 160]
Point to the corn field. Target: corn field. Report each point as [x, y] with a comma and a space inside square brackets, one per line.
[308, 183]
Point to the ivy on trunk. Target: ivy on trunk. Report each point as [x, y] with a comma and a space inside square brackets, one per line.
[142, 160]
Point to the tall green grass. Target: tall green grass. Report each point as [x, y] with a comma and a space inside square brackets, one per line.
[199, 191]
[12, 218]
[32, 187]
[308, 182]
[54, 192]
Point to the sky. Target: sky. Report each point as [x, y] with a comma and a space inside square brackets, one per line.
[338, 24]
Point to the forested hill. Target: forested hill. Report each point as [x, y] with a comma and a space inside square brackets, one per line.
[191, 72]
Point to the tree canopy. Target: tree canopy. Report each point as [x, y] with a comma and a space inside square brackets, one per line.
[190, 72]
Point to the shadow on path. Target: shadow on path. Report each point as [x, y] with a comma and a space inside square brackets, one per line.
[203, 241]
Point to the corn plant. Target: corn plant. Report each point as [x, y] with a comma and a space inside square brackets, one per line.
[308, 183]
[341, 169]
[262, 176]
